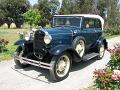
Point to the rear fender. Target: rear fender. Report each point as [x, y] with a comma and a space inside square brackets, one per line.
[102, 41]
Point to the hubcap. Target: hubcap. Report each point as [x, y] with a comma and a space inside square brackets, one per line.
[80, 48]
[102, 50]
[63, 66]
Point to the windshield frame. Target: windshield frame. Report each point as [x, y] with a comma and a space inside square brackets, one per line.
[79, 17]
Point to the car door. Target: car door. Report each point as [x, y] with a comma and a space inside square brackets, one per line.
[98, 28]
[88, 31]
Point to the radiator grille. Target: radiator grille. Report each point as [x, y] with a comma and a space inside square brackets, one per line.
[39, 44]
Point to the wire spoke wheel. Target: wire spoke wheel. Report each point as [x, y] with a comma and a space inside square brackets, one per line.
[102, 50]
[63, 65]
[21, 55]
[19, 52]
[80, 48]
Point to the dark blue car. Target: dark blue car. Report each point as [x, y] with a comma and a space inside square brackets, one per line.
[72, 38]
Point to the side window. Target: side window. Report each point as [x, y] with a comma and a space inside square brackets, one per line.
[97, 23]
[88, 23]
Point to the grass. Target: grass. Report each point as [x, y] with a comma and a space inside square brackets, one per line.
[108, 36]
[11, 35]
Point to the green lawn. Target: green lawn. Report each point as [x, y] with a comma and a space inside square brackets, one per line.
[11, 35]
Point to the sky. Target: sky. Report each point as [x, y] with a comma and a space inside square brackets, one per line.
[35, 1]
[32, 2]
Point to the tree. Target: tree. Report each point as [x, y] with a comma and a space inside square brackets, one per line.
[32, 17]
[108, 9]
[13, 10]
[113, 18]
[67, 7]
[85, 6]
[2, 16]
[47, 8]
[76, 6]
[43, 7]
[54, 5]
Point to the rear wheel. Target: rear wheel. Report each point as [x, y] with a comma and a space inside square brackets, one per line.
[60, 66]
[20, 63]
[79, 46]
[101, 51]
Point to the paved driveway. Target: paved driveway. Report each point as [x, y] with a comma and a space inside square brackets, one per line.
[33, 78]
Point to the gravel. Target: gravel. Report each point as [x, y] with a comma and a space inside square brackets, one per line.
[13, 77]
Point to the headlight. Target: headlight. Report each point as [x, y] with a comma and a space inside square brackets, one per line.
[27, 37]
[47, 38]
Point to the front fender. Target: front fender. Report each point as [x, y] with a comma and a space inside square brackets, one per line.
[20, 42]
[65, 48]
[62, 48]
[59, 49]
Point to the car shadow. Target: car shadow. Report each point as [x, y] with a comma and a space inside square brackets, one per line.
[45, 72]
[82, 64]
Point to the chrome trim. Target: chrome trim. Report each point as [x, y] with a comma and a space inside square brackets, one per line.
[34, 62]
[62, 34]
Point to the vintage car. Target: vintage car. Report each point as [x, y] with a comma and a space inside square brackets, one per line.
[72, 38]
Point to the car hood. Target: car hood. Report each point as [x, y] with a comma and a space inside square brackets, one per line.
[60, 35]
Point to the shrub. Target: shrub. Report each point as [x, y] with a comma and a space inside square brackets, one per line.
[105, 79]
[114, 63]
[112, 31]
[32, 17]
[3, 43]
[21, 35]
[109, 78]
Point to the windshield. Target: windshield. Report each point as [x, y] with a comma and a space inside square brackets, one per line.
[66, 21]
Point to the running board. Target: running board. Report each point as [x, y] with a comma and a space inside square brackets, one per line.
[90, 56]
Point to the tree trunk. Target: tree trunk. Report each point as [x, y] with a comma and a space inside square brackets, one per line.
[8, 25]
[18, 25]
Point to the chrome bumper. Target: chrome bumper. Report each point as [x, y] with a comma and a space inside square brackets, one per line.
[34, 62]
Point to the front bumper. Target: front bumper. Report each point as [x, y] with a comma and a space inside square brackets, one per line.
[33, 62]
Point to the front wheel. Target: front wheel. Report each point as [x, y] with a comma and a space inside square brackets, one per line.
[61, 65]
[20, 63]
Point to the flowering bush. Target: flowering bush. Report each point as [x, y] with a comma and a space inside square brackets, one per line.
[114, 63]
[115, 75]
[3, 43]
[109, 78]
[105, 79]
